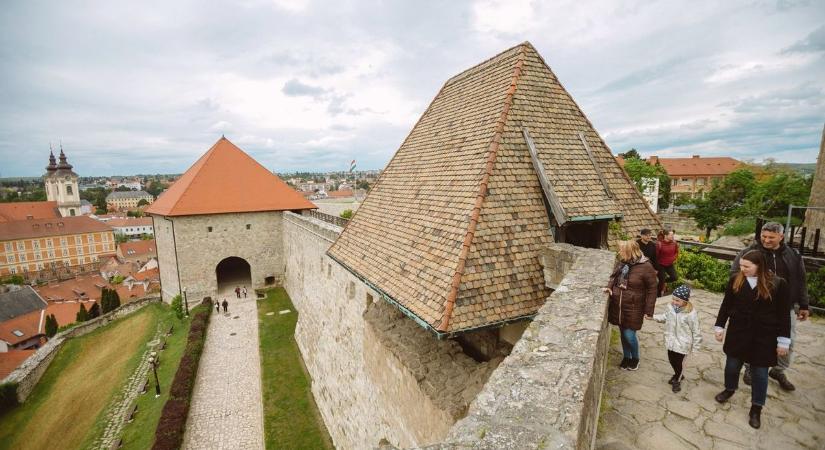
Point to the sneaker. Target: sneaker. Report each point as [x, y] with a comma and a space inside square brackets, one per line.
[633, 364]
[782, 379]
[724, 396]
[625, 362]
[747, 377]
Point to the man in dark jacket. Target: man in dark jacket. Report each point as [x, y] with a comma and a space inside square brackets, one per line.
[647, 246]
[788, 264]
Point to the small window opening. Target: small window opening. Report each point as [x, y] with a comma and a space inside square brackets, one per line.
[208, 229]
[248, 226]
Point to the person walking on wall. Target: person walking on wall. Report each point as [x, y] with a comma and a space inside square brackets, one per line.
[755, 310]
[632, 289]
[667, 251]
[225, 306]
[238, 291]
[786, 263]
[244, 292]
[682, 332]
[218, 306]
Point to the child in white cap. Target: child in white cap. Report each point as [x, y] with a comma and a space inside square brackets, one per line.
[682, 332]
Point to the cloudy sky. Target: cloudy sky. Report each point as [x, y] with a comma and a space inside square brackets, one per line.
[146, 87]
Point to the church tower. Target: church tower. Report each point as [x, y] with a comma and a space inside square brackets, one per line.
[62, 186]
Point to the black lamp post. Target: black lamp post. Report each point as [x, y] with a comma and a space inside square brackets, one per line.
[185, 302]
[153, 360]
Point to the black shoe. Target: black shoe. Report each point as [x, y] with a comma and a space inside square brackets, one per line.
[625, 362]
[633, 364]
[724, 396]
[755, 416]
[677, 386]
[747, 377]
[672, 380]
[780, 376]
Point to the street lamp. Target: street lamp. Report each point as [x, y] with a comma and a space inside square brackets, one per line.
[185, 302]
[153, 360]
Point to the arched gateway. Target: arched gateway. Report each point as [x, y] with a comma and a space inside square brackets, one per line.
[221, 224]
[232, 272]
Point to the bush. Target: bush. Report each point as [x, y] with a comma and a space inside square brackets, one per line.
[14, 279]
[177, 306]
[8, 397]
[82, 315]
[747, 225]
[172, 423]
[816, 287]
[704, 271]
[346, 214]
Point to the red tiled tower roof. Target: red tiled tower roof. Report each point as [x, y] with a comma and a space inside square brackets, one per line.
[227, 180]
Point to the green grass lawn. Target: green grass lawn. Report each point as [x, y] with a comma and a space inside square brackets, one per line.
[65, 410]
[291, 419]
[140, 433]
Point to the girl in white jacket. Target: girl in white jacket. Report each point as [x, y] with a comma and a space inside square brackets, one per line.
[682, 332]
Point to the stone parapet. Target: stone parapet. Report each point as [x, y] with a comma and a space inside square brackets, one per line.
[29, 373]
[546, 393]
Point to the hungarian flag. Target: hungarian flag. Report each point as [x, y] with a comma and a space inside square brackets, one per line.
[352, 165]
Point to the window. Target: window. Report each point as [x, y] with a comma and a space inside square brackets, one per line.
[17, 333]
[10, 259]
[63, 242]
[49, 243]
[700, 181]
[22, 257]
[208, 229]
[685, 180]
[79, 250]
[248, 226]
[69, 192]
[8, 247]
[71, 212]
[51, 254]
[13, 270]
[20, 246]
[64, 252]
[36, 245]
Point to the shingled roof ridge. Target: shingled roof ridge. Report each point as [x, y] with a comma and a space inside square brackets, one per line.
[598, 135]
[455, 283]
[487, 61]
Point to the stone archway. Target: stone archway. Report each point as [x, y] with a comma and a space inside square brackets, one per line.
[232, 272]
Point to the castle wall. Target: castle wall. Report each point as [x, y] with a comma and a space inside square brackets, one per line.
[377, 377]
[199, 250]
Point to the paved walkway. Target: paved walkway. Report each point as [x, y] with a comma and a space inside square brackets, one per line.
[640, 411]
[226, 411]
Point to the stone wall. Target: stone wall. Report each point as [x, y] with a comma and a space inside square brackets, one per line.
[199, 250]
[377, 377]
[546, 393]
[815, 218]
[29, 373]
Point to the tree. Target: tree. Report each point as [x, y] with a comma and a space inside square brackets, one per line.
[123, 189]
[94, 311]
[115, 298]
[346, 214]
[142, 202]
[121, 238]
[82, 315]
[632, 153]
[637, 169]
[134, 213]
[51, 325]
[14, 279]
[723, 201]
[362, 184]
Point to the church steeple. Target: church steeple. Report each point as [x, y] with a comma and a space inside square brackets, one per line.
[64, 164]
[52, 167]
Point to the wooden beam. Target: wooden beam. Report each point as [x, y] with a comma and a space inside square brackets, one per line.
[596, 165]
[549, 194]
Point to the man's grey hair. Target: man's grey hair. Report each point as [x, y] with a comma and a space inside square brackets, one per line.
[773, 227]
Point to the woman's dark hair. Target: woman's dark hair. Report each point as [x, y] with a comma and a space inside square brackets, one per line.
[764, 277]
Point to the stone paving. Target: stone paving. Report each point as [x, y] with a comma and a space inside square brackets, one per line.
[226, 410]
[640, 411]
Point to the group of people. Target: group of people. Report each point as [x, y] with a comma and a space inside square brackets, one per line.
[765, 296]
[662, 255]
[240, 291]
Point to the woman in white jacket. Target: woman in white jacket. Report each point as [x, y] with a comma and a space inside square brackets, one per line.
[682, 332]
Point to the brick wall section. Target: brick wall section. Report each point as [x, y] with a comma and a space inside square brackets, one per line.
[29, 373]
[546, 393]
[376, 375]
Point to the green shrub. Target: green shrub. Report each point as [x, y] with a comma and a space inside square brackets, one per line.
[747, 225]
[346, 214]
[14, 279]
[816, 287]
[8, 397]
[177, 306]
[703, 271]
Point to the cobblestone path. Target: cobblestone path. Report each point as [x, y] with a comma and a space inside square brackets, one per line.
[640, 411]
[226, 411]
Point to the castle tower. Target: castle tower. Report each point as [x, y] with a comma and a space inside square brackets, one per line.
[62, 186]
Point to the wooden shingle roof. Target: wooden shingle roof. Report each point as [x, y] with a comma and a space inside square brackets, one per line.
[451, 232]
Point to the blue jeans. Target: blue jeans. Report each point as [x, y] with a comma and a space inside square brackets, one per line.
[759, 377]
[630, 344]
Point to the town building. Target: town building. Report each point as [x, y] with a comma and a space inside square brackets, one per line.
[223, 216]
[131, 226]
[10, 212]
[126, 200]
[61, 185]
[29, 247]
[138, 252]
[694, 177]
[21, 317]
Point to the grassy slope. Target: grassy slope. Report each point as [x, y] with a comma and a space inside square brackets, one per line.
[65, 409]
[140, 434]
[291, 419]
